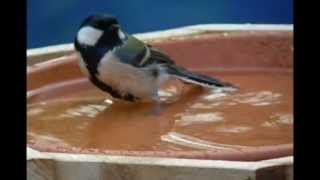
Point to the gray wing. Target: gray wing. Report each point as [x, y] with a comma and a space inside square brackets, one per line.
[132, 52]
[139, 54]
[158, 57]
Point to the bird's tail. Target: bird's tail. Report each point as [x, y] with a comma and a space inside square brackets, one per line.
[199, 79]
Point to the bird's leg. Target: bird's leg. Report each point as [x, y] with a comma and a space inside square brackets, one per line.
[157, 108]
[156, 105]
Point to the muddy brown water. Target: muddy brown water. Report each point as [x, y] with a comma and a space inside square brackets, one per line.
[76, 114]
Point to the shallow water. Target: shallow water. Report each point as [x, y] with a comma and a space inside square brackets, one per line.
[76, 114]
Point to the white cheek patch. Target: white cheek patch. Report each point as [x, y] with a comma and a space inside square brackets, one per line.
[121, 35]
[89, 35]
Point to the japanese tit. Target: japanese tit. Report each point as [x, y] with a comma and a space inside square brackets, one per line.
[124, 66]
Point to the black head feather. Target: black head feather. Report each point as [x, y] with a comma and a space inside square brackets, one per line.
[100, 21]
[92, 53]
[106, 23]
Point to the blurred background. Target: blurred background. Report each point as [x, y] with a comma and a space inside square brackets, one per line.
[53, 22]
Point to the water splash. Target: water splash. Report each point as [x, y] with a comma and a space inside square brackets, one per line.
[187, 119]
[233, 129]
[261, 98]
[278, 119]
[193, 142]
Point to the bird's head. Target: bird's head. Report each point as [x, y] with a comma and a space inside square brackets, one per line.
[99, 30]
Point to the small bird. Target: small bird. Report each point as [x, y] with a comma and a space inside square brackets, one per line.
[125, 67]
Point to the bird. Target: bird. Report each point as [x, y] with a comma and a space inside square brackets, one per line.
[126, 67]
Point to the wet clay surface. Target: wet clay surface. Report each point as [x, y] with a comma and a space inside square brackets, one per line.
[75, 115]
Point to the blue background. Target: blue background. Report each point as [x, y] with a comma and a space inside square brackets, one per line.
[52, 22]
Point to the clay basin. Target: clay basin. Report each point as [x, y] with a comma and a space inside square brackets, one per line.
[68, 114]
